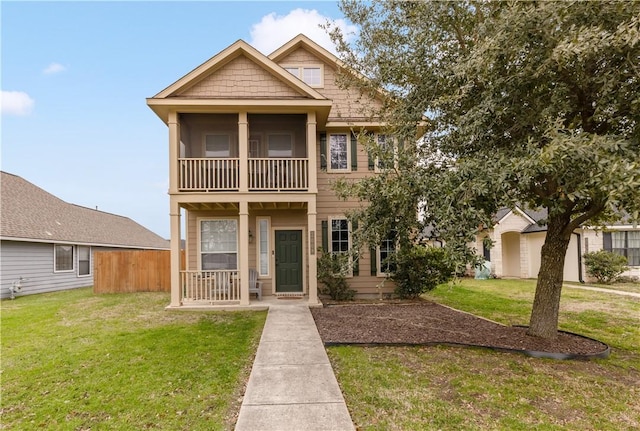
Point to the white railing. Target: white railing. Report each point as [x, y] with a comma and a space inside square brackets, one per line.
[210, 286]
[278, 174]
[208, 174]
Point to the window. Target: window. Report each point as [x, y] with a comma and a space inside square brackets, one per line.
[217, 146]
[84, 261]
[625, 243]
[63, 258]
[263, 246]
[311, 75]
[386, 250]
[218, 244]
[280, 145]
[387, 149]
[339, 240]
[338, 152]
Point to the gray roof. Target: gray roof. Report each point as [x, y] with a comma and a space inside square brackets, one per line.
[30, 213]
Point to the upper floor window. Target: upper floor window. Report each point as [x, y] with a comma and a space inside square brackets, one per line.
[625, 243]
[217, 145]
[280, 145]
[311, 75]
[338, 152]
[388, 152]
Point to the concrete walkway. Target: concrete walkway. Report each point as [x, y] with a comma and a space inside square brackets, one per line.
[600, 289]
[292, 385]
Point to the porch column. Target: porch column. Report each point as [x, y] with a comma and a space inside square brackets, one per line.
[243, 253]
[311, 152]
[174, 153]
[312, 253]
[243, 150]
[174, 214]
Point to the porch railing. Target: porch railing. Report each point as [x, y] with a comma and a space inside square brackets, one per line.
[278, 174]
[210, 286]
[208, 174]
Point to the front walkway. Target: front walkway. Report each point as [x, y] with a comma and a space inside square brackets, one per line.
[292, 385]
[601, 289]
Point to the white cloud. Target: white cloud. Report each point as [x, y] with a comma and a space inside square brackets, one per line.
[16, 103]
[54, 68]
[273, 30]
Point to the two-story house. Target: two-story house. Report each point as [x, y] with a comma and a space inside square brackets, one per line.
[255, 142]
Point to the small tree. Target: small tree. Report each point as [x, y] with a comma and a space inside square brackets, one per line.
[420, 269]
[605, 266]
[331, 273]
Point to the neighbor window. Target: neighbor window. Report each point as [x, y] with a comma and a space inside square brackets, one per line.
[311, 75]
[218, 244]
[63, 257]
[386, 250]
[84, 260]
[625, 243]
[339, 152]
[217, 146]
[263, 246]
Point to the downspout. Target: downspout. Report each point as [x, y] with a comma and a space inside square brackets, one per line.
[579, 257]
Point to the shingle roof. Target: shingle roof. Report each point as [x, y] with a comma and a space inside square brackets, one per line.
[30, 213]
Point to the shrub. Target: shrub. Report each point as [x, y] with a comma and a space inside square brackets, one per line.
[605, 266]
[332, 269]
[420, 269]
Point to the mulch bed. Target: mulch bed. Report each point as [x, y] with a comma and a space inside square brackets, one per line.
[430, 323]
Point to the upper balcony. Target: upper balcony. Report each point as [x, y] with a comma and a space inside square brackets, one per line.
[223, 153]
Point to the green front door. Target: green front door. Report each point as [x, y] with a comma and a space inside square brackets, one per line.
[288, 261]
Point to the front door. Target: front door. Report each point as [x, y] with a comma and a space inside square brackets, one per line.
[288, 261]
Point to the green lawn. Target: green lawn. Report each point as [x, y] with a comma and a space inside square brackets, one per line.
[72, 360]
[446, 388]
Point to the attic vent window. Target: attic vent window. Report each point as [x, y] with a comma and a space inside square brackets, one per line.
[311, 75]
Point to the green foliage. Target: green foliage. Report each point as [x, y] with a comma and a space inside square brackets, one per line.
[332, 270]
[605, 266]
[420, 269]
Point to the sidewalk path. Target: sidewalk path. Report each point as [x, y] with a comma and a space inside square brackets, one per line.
[292, 385]
[600, 289]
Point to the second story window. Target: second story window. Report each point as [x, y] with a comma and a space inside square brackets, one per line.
[280, 145]
[311, 75]
[338, 152]
[217, 146]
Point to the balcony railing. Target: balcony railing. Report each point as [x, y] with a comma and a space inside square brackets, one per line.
[208, 287]
[265, 174]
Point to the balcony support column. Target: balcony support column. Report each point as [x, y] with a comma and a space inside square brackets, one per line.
[176, 288]
[243, 253]
[312, 253]
[243, 148]
[174, 150]
[311, 152]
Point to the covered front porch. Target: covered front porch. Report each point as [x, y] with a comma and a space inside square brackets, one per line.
[237, 249]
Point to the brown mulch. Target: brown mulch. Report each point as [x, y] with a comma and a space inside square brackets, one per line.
[430, 323]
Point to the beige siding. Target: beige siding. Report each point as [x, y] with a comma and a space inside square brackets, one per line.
[241, 78]
[347, 104]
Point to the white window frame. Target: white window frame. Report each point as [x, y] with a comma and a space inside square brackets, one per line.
[299, 72]
[55, 258]
[267, 238]
[199, 239]
[394, 143]
[348, 150]
[90, 260]
[349, 272]
[379, 259]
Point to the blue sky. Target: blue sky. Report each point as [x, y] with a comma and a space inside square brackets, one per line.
[75, 76]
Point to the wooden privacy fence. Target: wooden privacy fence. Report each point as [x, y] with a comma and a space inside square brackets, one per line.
[132, 271]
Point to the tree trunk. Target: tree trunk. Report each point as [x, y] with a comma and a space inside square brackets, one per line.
[544, 314]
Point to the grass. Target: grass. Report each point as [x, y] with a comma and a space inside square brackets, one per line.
[72, 360]
[415, 388]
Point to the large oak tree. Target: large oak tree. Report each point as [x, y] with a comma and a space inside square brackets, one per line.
[528, 103]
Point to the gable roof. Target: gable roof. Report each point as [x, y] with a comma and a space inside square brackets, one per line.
[29, 213]
[302, 41]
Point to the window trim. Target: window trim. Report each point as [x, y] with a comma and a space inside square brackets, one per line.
[199, 239]
[90, 273]
[330, 219]
[55, 258]
[258, 241]
[347, 149]
[300, 73]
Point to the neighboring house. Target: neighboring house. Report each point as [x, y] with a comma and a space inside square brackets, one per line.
[518, 240]
[254, 144]
[47, 244]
